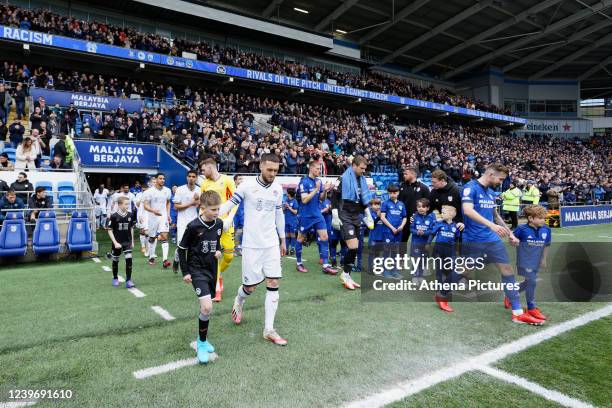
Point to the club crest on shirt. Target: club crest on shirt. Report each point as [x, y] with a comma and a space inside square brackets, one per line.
[466, 192]
[450, 198]
[544, 235]
[219, 232]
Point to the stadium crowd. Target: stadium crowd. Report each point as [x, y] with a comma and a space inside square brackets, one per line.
[48, 22]
[200, 122]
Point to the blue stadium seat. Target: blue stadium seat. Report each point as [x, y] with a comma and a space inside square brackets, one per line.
[46, 184]
[79, 235]
[46, 238]
[13, 236]
[67, 200]
[65, 186]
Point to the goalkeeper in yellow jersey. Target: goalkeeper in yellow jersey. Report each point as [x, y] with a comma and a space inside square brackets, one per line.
[224, 186]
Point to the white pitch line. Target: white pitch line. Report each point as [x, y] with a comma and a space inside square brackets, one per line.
[550, 395]
[175, 365]
[411, 387]
[292, 257]
[96, 260]
[106, 268]
[568, 235]
[603, 236]
[15, 404]
[162, 312]
[136, 292]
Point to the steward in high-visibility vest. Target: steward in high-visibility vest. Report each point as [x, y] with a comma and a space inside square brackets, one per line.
[512, 203]
[532, 195]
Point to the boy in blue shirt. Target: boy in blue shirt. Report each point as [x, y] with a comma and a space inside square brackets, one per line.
[446, 234]
[291, 220]
[420, 229]
[531, 253]
[393, 215]
[376, 237]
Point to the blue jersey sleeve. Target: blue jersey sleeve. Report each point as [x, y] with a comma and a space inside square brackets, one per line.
[413, 228]
[518, 232]
[548, 239]
[304, 186]
[384, 208]
[469, 194]
[403, 214]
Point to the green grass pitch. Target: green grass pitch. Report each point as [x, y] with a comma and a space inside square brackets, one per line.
[63, 326]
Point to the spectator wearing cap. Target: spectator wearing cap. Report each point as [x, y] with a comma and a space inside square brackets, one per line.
[409, 192]
[532, 194]
[5, 163]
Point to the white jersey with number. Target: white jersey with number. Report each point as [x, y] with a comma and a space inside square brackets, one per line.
[260, 204]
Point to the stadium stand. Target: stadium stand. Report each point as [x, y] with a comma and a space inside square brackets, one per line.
[200, 121]
[45, 21]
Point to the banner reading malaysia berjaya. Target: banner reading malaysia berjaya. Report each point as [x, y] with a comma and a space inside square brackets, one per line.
[585, 215]
[95, 153]
[86, 101]
[185, 63]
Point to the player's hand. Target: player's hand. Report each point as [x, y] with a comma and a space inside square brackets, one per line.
[227, 223]
[283, 248]
[169, 220]
[218, 254]
[514, 241]
[329, 186]
[499, 230]
[318, 185]
[117, 245]
[157, 213]
[420, 233]
[187, 278]
[411, 219]
[460, 226]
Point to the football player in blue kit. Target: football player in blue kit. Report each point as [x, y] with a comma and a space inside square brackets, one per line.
[484, 231]
[309, 215]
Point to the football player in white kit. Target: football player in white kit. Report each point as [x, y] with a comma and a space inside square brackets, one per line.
[186, 203]
[101, 199]
[157, 203]
[263, 241]
[124, 191]
[142, 219]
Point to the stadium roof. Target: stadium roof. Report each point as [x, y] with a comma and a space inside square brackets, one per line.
[449, 39]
